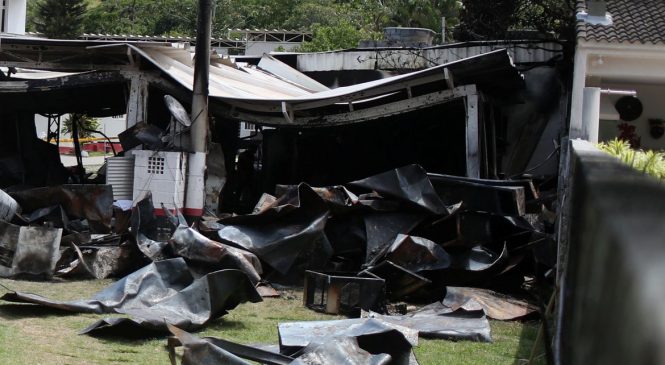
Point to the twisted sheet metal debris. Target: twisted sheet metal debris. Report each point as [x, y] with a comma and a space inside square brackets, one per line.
[410, 184]
[292, 228]
[191, 244]
[368, 341]
[29, 251]
[162, 291]
[94, 203]
[495, 305]
[443, 324]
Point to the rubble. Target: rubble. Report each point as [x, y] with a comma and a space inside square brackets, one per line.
[402, 235]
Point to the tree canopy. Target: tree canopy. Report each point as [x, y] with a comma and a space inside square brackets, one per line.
[59, 18]
[334, 23]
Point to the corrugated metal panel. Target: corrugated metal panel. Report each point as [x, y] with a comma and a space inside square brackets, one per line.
[525, 52]
[120, 175]
[258, 91]
[280, 69]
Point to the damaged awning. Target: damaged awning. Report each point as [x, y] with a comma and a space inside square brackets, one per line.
[270, 93]
[244, 88]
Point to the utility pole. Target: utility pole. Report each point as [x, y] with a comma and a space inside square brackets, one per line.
[196, 164]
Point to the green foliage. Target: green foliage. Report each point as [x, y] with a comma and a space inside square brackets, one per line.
[142, 17]
[548, 16]
[649, 162]
[423, 13]
[84, 122]
[59, 18]
[340, 36]
[481, 19]
[340, 22]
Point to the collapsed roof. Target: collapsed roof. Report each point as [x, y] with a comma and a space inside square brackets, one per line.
[271, 93]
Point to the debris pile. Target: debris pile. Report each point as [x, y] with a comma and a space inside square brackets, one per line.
[399, 236]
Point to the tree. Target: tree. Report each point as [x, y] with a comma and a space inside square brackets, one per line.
[548, 16]
[481, 19]
[86, 125]
[60, 18]
[423, 13]
[340, 36]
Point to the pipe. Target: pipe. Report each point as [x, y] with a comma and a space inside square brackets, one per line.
[195, 194]
[618, 92]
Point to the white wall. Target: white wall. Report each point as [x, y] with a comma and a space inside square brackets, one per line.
[16, 12]
[259, 48]
[653, 102]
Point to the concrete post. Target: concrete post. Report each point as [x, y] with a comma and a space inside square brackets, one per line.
[195, 196]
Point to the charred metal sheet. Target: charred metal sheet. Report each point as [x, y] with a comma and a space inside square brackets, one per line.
[408, 184]
[30, 251]
[98, 259]
[8, 207]
[343, 350]
[294, 336]
[210, 350]
[498, 199]
[417, 254]
[530, 192]
[266, 291]
[154, 250]
[383, 227]
[373, 336]
[459, 325]
[190, 244]
[200, 352]
[495, 305]
[93, 203]
[38, 214]
[346, 234]
[474, 267]
[151, 235]
[482, 228]
[142, 134]
[162, 291]
[175, 219]
[165, 278]
[335, 293]
[265, 202]
[400, 282]
[367, 341]
[479, 259]
[337, 197]
[292, 229]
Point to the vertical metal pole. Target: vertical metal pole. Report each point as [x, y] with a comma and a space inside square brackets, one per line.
[443, 30]
[195, 196]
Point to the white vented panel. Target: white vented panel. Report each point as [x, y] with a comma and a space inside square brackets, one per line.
[120, 175]
[163, 174]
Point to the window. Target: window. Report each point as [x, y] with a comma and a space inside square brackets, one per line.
[156, 165]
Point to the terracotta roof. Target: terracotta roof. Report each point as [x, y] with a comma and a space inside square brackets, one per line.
[633, 21]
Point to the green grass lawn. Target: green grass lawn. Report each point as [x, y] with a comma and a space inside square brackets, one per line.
[29, 335]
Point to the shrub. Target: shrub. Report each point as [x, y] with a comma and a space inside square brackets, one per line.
[649, 162]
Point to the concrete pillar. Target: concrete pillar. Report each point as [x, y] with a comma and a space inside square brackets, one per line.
[591, 114]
